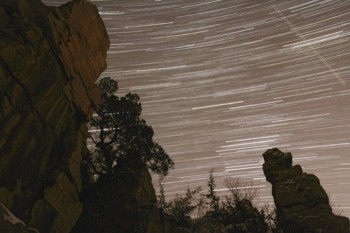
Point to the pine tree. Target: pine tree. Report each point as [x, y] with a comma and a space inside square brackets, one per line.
[214, 200]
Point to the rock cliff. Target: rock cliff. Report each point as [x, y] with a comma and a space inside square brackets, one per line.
[50, 59]
[301, 202]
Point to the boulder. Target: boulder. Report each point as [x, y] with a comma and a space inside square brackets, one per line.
[302, 204]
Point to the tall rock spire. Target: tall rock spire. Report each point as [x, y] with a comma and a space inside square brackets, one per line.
[302, 204]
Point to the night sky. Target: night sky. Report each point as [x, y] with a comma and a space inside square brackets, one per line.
[222, 81]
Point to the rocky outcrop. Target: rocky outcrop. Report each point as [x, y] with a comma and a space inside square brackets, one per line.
[49, 60]
[126, 204]
[301, 202]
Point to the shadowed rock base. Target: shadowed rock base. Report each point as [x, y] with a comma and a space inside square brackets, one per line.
[301, 202]
[127, 204]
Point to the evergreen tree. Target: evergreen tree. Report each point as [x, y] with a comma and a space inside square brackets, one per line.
[214, 200]
[161, 197]
[118, 135]
[182, 207]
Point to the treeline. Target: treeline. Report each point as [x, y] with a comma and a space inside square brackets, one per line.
[234, 212]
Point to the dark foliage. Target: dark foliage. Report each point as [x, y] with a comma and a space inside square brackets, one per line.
[161, 197]
[182, 207]
[235, 212]
[118, 134]
[214, 199]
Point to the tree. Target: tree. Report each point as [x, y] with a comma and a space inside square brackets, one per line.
[118, 135]
[240, 190]
[238, 210]
[214, 200]
[182, 207]
[235, 212]
[161, 197]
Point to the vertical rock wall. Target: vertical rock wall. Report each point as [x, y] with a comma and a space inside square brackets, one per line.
[49, 61]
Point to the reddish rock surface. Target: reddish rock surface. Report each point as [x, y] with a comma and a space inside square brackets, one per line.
[50, 59]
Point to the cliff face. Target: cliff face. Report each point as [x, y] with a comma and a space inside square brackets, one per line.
[49, 61]
[301, 202]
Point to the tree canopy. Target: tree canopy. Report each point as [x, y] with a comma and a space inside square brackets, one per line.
[118, 134]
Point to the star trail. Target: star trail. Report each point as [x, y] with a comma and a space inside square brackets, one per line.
[222, 81]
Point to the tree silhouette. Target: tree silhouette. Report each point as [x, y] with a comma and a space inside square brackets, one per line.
[164, 206]
[118, 135]
[214, 200]
[182, 206]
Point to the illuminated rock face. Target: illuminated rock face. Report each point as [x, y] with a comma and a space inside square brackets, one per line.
[49, 60]
[301, 202]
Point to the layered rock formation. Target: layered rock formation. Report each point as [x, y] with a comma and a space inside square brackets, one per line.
[301, 202]
[49, 61]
